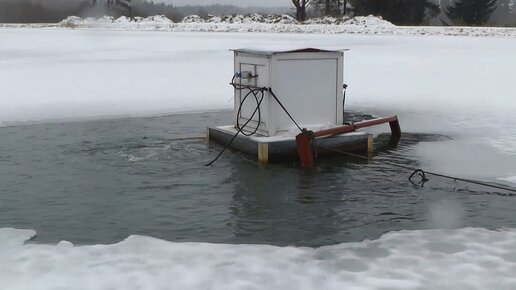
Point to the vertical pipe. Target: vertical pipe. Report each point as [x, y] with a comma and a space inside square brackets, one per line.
[304, 150]
[395, 128]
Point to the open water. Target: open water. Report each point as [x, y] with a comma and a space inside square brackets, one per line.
[93, 182]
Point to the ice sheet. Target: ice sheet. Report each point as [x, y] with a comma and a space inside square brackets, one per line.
[461, 87]
[511, 179]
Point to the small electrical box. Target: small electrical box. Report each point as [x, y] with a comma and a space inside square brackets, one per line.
[308, 82]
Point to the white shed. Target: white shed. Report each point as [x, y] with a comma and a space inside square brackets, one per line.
[309, 83]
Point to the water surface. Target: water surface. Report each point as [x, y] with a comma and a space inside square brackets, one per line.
[100, 181]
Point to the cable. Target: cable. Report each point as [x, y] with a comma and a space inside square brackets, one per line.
[467, 180]
[240, 128]
[284, 109]
[254, 91]
[257, 109]
[422, 174]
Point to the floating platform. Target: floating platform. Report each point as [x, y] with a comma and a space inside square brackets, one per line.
[281, 148]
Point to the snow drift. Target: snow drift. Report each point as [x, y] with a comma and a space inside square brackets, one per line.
[469, 258]
[271, 23]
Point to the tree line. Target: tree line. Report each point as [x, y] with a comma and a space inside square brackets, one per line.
[413, 12]
[51, 11]
[400, 12]
[30, 11]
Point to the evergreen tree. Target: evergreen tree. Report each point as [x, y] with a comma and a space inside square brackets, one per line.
[124, 4]
[471, 12]
[30, 11]
[401, 12]
[331, 7]
[502, 15]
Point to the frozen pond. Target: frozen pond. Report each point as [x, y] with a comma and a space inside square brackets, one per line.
[101, 180]
[456, 86]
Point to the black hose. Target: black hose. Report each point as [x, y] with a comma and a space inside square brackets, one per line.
[255, 91]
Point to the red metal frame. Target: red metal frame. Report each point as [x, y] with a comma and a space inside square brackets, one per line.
[304, 140]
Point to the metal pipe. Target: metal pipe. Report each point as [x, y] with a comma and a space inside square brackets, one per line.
[305, 139]
[393, 122]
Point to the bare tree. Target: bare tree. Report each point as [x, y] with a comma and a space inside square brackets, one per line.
[301, 9]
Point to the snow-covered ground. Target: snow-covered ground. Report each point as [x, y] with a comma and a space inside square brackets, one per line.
[462, 87]
[469, 258]
[279, 24]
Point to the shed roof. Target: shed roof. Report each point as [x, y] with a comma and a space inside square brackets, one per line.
[276, 50]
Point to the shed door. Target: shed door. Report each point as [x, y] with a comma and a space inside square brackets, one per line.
[250, 103]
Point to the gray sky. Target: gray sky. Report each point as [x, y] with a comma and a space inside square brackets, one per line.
[243, 3]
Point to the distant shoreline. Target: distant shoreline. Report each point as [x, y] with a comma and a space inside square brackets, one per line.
[366, 25]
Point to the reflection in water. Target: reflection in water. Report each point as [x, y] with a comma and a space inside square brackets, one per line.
[306, 181]
[281, 204]
[341, 199]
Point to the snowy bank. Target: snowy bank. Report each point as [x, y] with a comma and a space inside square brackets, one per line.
[273, 23]
[470, 258]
